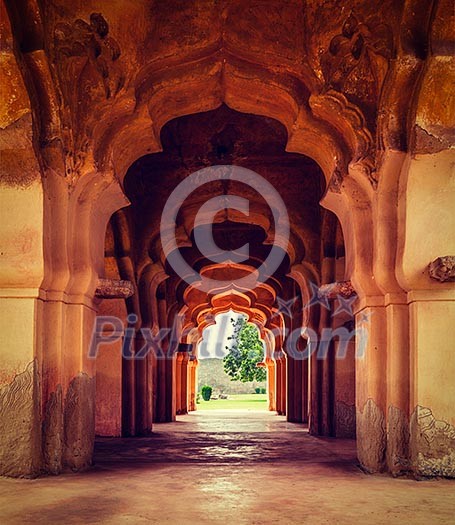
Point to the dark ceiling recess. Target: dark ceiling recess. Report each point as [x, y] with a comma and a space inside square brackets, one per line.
[225, 136]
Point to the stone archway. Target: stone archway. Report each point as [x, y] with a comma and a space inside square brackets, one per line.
[84, 145]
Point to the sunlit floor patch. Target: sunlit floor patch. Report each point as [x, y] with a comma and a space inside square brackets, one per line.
[220, 468]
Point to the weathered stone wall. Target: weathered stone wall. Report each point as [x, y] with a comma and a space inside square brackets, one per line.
[79, 423]
[109, 377]
[371, 437]
[367, 95]
[432, 445]
[20, 450]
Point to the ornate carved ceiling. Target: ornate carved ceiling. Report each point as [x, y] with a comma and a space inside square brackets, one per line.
[109, 85]
[103, 74]
[225, 136]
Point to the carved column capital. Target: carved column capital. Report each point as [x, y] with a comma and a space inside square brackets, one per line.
[114, 289]
[443, 269]
[337, 289]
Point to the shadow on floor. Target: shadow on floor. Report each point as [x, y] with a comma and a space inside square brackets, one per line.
[211, 438]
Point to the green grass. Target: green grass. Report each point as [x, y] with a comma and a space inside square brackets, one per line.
[236, 402]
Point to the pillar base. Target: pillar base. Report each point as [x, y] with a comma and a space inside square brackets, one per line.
[79, 419]
[371, 437]
[432, 445]
[20, 450]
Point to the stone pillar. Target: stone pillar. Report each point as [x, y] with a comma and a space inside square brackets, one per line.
[271, 383]
[398, 377]
[78, 383]
[143, 399]
[184, 383]
[153, 372]
[284, 382]
[313, 416]
[280, 379]
[120, 248]
[305, 390]
[325, 363]
[294, 389]
[189, 392]
[344, 425]
[192, 391]
[21, 272]
[426, 204]
[22, 268]
[426, 229]
[371, 390]
[160, 415]
[170, 388]
[178, 382]
[298, 390]
[171, 380]
[276, 354]
[108, 410]
[290, 388]
[128, 397]
[342, 356]
[432, 399]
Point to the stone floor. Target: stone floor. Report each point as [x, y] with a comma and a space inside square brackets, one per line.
[226, 467]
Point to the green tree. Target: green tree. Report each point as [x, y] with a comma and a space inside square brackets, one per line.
[246, 351]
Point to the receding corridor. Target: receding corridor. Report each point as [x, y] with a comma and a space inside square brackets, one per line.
[227, 262]
[223, 467]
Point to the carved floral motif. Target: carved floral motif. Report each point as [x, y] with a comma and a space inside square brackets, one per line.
[359, 50]
[86, 61]
[340, 288]
[87, 51]
[443, 269]
[355, 65]
[114, 289]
